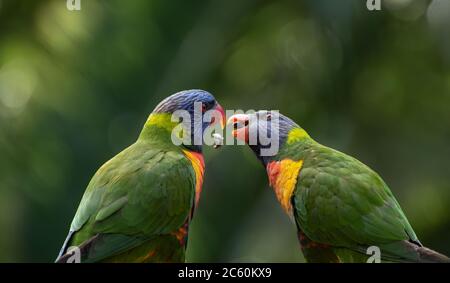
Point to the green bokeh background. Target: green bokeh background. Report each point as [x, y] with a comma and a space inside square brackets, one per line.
[77, 86]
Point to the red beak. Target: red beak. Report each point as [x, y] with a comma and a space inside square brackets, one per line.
[222, 115]
[239, 133]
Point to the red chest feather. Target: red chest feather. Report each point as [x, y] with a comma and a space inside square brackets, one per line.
[198, 163]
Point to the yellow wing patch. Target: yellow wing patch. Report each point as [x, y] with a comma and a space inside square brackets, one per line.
[283, 178]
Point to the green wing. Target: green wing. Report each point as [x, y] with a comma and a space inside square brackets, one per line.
[142, 193]
[341, 202]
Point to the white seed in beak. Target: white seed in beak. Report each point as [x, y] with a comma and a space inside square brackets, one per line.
[218, 140]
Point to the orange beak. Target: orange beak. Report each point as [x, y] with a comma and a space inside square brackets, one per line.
[222, 115]
[239, 123]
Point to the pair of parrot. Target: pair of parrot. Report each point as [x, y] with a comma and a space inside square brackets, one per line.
[138, 205]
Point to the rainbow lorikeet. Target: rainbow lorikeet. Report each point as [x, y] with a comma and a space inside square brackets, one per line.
[340, 206]
[138, 205]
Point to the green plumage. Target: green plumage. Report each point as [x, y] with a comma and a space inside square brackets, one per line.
[342, 207]
[136, 203]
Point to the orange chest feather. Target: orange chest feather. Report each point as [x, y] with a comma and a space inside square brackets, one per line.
[198, 163]
[283, 178]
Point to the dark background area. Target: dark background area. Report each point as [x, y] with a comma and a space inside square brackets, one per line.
[77, 86]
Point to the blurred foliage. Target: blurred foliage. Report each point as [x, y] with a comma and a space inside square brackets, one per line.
[77, 86]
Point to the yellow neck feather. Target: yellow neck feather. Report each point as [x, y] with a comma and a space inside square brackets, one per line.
[161, 120]
[296, 134]
[283, 179]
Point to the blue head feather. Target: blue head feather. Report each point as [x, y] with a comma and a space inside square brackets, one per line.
[185, 100]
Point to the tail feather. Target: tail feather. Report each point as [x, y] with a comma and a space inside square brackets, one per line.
[415, 252]
[428, 255]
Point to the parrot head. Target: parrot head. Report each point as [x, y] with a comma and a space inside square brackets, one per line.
[187, 99]
[195, 103]
[267, 128]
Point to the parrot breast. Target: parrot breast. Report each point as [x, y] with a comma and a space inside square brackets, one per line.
[283, 178]
[198, 163]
